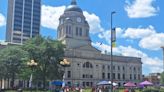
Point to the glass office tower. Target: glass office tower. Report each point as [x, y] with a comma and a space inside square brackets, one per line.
[23, 20]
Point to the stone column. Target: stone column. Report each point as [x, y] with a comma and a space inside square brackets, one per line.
[163, 56]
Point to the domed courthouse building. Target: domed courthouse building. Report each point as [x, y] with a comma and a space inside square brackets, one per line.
[88, 65]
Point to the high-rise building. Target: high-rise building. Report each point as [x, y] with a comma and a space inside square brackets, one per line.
[23, 20]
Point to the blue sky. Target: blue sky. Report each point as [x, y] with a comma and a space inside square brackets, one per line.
[138, 22]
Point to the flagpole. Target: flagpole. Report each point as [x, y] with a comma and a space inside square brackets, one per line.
[111, 56]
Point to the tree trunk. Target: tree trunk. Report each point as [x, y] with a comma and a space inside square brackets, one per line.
[1, 83]
[12, 80]
[24, 83]
[8, 82]
[44, 76]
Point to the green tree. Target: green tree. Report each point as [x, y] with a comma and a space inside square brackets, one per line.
[2, 73]
[162, 78]
[47, 53]
[11, 59]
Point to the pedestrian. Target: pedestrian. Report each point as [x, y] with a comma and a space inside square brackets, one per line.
[132, 90]
[126, 90]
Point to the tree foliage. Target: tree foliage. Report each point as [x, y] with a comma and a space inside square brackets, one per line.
[162, 78]
[11, 62]
[47, 53]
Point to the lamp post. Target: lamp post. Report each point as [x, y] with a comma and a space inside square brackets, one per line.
[65, 63]
[163, 57]
[111, 56]
[31, 64]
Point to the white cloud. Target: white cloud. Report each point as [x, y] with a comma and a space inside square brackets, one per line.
[3, 42]
[2, 20]
[135, 33]
[102, 47]
[153, 64]
[50, 16]
[148, 37]
[94, 22]
[107, 34]
[153, 42]
[140, 8]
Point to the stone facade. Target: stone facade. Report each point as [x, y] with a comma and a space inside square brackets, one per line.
[89, 65]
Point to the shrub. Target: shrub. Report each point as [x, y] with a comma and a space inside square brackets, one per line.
[150, 90]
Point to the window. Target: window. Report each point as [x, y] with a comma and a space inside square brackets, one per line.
[135, 76]
[118, 75]
[78, 31]
[91, 84]
[123, 68]
[78, 64]
[134, 69]
[108, 67]
[123, 76]
[83, 84]
[83, 76]
[130, 76]
[68, 29]
[113, 67]
[69, 74]
[103, 75]
[87, 65]
[69, 83]
[118, 67]
[103, 67]
[87, 83]
[91, 76]
[16, 34]
[114, 76]
[108, 75]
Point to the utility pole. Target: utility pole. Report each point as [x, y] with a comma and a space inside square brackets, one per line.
[163, 57]
[111, 56]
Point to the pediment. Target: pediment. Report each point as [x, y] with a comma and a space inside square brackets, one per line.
[88, 48]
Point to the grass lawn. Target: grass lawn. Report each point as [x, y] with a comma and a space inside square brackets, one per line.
[85, 90]
[120, 90]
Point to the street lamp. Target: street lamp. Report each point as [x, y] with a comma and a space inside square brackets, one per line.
[65, 63]
[111, 56]
[31, 64]
[163, 57]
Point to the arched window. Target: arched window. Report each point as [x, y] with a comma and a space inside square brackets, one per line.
[87, 65]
